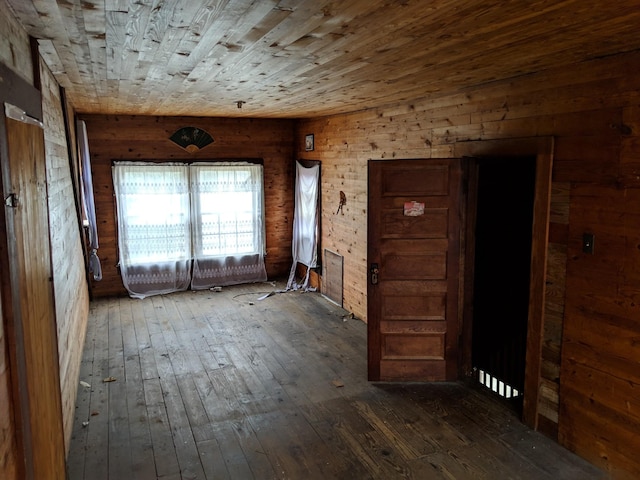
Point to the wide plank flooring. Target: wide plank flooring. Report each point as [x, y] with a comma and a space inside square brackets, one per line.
[223, 385]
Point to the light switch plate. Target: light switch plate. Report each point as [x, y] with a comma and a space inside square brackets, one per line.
[587, 243]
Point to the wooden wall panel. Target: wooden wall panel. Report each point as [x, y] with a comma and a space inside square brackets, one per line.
[147, 138]
[8, 447]
[592, 111]
[15, 51]
[69, 279]
[599, 384]
[554, 308]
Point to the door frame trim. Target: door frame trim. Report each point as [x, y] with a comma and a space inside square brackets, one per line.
[542, 149]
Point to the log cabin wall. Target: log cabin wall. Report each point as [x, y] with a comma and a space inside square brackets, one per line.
[147, 138]
[589, 386]
[69, 279]
[69, 282]
[592, 301]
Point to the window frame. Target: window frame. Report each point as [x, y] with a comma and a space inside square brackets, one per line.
[187, 162]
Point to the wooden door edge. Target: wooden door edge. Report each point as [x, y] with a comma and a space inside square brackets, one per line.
[16, 91]
[373, 255]
[467, 256]
[537, 293]
[455, 269]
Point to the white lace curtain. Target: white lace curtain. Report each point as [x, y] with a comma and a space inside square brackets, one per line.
[179, 225]
[228, 228]
[88, 201]
[304, 246]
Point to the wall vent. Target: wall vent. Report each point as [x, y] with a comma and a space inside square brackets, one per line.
[332, 276]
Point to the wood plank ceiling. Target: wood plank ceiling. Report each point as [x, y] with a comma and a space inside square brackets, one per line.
[306, 58]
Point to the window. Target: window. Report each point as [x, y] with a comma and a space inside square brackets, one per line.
[226, 201]
[179, 225]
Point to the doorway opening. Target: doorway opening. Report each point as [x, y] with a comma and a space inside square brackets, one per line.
[504, 191]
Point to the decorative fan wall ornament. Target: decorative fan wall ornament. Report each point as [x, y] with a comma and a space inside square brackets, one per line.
[191, 139]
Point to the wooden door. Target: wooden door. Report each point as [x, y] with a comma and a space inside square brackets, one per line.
[413, 262]
[32, 310]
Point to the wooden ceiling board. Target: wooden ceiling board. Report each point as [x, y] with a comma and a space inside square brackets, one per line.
[305, 58]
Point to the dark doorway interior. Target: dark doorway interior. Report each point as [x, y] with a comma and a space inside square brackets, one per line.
[503, 232]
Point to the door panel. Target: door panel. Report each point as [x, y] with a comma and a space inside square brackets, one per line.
[413, 255]
[432, 224]
[414, 307]
[424, 346]
[33, 311]
[402, 266]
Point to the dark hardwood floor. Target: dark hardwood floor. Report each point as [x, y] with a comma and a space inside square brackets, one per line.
[222, 385]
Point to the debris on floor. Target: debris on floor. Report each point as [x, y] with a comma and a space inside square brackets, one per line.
[108, 379]
[216, 289]
[349, 316]
[266, 295]
[85, 384]
[337, 383]
[273, 292]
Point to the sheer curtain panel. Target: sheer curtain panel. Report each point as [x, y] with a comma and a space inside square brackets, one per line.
[179, 225]
[88, 200]
[304, 246]
[154, 236]
[228, 224]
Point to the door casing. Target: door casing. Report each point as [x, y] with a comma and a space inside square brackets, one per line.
[542, 149]
[500, 192]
